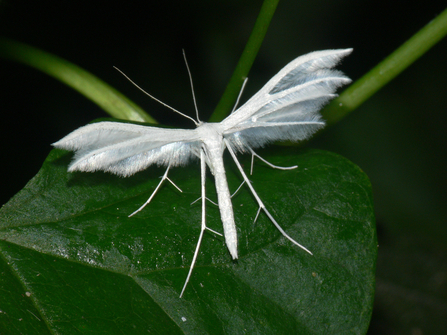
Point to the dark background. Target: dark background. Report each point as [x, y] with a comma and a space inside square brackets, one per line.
[397, 137]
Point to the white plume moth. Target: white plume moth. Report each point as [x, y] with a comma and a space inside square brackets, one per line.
[286, 108]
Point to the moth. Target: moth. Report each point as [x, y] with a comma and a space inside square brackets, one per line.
[286, 108]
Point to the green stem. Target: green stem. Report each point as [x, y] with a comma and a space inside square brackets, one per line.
[385, 71]
[105, 96]
[246, 61]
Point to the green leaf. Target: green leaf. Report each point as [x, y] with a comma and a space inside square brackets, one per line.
[73, 262]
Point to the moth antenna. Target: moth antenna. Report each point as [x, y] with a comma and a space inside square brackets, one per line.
[154, 98]
[192, 86]
[240, 94]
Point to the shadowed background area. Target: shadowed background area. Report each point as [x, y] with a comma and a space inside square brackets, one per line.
[397, 137]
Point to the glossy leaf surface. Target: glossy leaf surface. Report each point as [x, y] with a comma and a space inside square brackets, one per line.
[73, 262]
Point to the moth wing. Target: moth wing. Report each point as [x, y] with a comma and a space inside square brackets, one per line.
[286, 108]
[124, 148]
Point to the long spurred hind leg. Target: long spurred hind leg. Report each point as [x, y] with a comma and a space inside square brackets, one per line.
[260, 203]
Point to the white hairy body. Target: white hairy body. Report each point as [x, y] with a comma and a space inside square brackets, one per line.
[286, 108]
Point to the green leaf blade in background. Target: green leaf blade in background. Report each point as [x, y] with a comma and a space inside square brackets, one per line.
[109, 99]
[66, 239]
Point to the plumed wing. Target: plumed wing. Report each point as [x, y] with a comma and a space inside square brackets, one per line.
[124, 148]
[286, 108]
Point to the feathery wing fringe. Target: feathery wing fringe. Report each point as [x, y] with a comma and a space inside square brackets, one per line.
[286, 108]
[290, 100]
[125, 149]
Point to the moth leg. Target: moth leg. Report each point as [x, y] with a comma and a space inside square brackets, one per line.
[238, 189]
[260, 203]
[211, 230]
[165, 177]
[257, 214]
[253, 154]
[234, 193]
[192, 203]
[203, 178]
